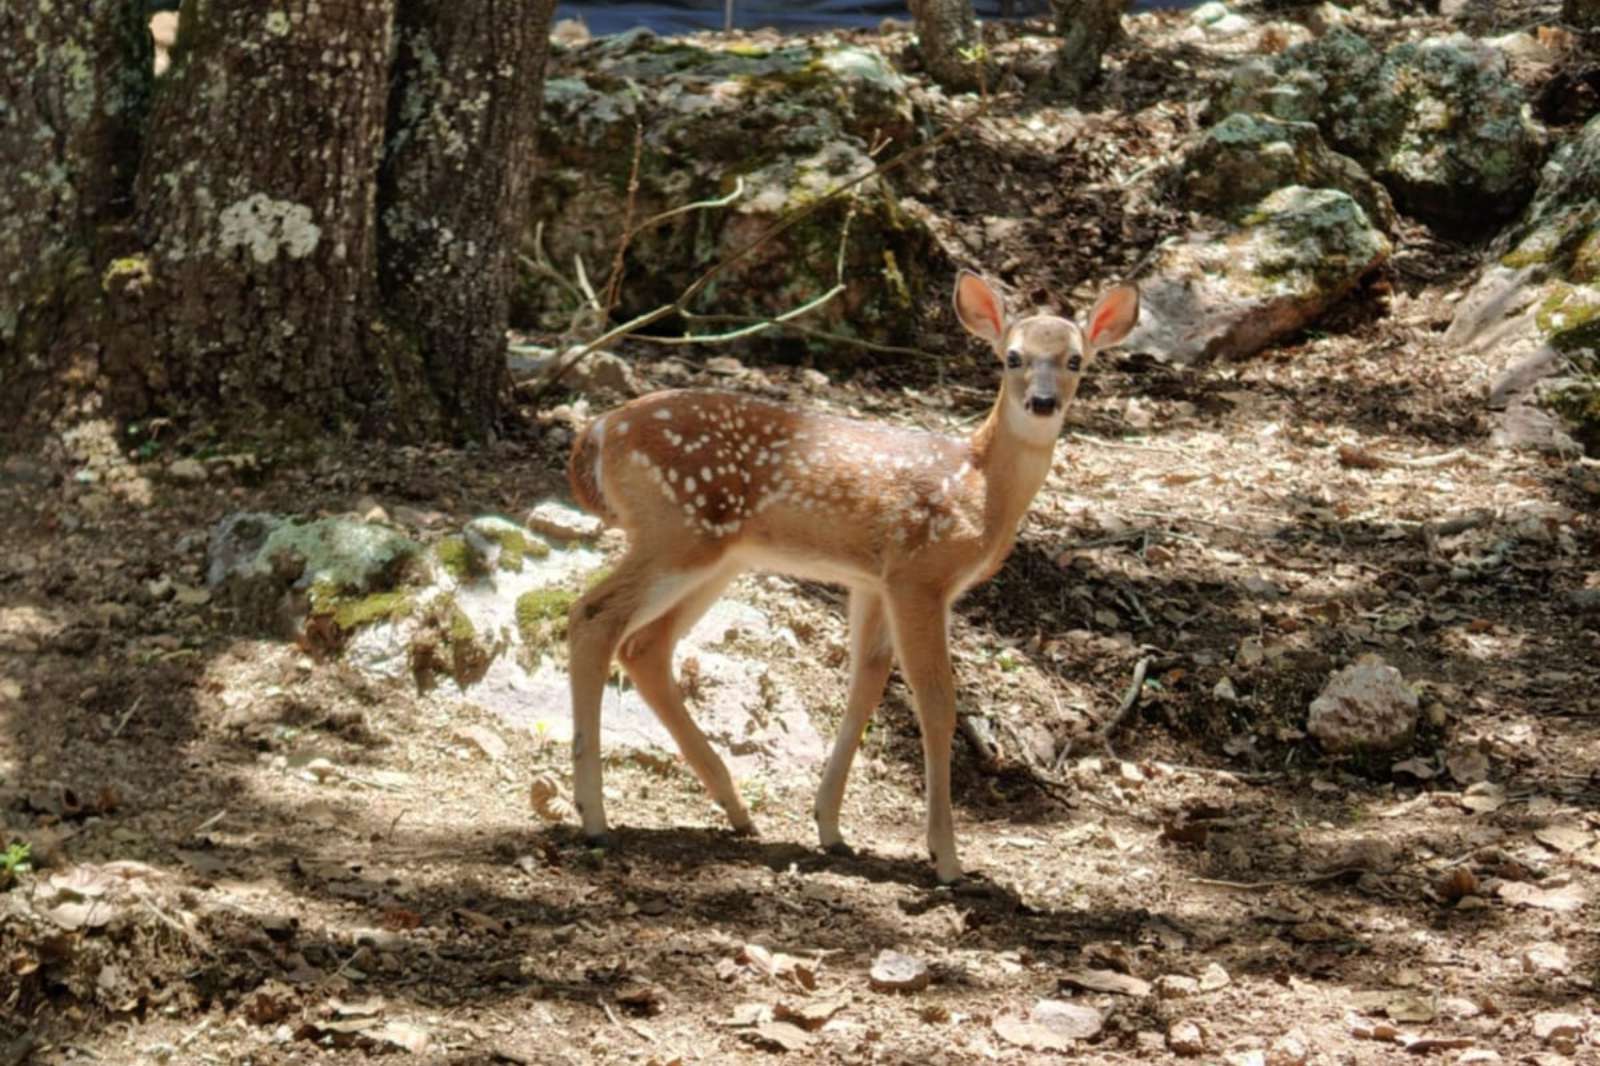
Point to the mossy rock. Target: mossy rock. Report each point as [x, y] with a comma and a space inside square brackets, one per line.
[447, 644]
[1439, 122]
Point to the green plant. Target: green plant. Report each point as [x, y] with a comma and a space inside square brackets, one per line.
[17, 858]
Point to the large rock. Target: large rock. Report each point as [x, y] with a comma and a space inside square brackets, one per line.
[274, 571]
[1289, 259]
[1364, 707]
[791, 123]
[1439, 121]
[1247, 156]
[1536, 307]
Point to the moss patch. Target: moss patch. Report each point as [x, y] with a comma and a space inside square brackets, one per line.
[542, 615]
[453, 556]
[1570, 318]
[380, 606]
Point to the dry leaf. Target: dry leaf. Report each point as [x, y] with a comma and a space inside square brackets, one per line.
[1106, 981]
[1565, 899]
[812, 1014]
[544, 796]
[1485, 797]
[1023, 1033]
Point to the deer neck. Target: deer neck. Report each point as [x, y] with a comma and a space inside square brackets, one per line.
[1014, 459]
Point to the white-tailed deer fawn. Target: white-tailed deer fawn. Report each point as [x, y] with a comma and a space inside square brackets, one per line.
[710, 484]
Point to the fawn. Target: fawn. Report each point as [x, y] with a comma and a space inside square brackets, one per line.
[711, 484]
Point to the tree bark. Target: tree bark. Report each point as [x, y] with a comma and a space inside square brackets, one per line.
[463, 113]
[74, 89]
[946, 29]
[1087, 28]
[257, 202]
[218, 251]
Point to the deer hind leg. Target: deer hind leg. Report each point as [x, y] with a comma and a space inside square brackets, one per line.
[871, 658]
[633, 596]
[647, 656]
[922, 643]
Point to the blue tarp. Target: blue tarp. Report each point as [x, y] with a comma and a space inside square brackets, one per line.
[684, 16]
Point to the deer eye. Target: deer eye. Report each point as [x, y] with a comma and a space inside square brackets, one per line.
[1014, 359]
[1074, 363]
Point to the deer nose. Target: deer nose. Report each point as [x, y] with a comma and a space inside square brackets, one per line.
[1042, 405]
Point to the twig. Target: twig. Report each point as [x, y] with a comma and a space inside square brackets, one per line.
[209, 822]
[760, 326]
[698, 205]
[1165, 517]
[788, 222]
[614, 282]
[807, 331]
[1280, 882]
[1248, 776]
[129, 713]
[1423, 462]
[1130, 699]
[1102, 736]
[1107, 442]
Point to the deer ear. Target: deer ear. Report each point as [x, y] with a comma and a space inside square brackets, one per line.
[1113, 316]
[979, 308]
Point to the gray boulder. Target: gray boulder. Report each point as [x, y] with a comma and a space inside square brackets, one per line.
[1246, 156]
[1230, 294]
[1439, 121]
[1536, 307]
[275, 572]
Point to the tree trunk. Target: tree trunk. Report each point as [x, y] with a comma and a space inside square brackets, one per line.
[257, 202]
[946, 29]
[74, 88]
[463, 113]
[1087, 29]
[239, 272]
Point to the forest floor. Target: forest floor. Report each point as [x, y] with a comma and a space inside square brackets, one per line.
[244, 855]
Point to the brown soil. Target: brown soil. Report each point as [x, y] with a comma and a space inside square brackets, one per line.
[245, 855]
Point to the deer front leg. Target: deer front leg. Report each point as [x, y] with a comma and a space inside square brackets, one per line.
[921, 641]
[871, 658]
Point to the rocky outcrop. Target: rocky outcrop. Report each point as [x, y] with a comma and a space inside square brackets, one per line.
[782, 127]
[1287, 259]
[1439, 122]
[1536, 307]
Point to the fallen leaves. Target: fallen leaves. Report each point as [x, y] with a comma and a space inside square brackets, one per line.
[895, 972]
[1052, 1025]
[1106, 981]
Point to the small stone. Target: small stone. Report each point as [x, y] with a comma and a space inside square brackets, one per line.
[159, 590]
[1290, 1049]
[187, 471]
[1176, 986]
[384, 940]
[1214, 977]
[895, 972]
[1558, 1027]
[485, 740]
[1186, 1038]
[1364, 707]
[1477, 1056]
[560, 522]
[1548, 959]
[279, 927]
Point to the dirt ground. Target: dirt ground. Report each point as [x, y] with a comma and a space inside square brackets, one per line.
[243, 855]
